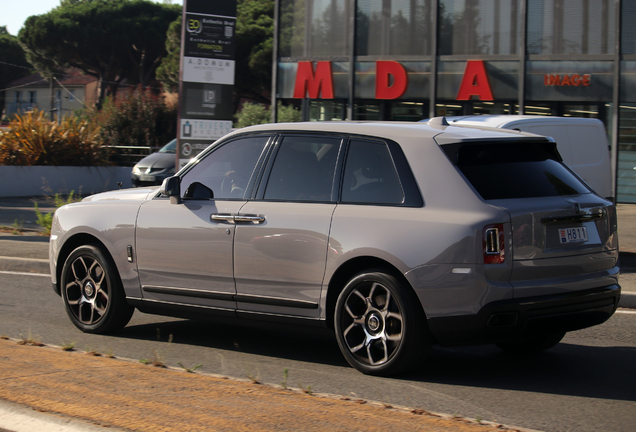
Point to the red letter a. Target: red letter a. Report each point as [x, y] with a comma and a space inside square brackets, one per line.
[307, 82]
[475, 82]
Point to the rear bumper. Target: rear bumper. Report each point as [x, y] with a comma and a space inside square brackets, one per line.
[509, 319]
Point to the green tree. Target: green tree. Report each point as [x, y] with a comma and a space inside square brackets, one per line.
[13, 63]
[111, 40]
[255, 113]
[254, 43]
[168, 70]
[136, 117]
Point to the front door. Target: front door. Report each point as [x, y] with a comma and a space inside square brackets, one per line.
[184, 251]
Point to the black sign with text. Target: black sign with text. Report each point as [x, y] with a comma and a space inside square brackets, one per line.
[209, 36]
[206, 84]
[206, 101]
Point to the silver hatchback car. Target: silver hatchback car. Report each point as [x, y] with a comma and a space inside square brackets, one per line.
[396, 235]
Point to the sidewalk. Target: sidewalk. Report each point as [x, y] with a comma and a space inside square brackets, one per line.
[126, 395]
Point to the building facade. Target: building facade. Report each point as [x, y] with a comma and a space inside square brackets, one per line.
[68, 94]
[414, 59]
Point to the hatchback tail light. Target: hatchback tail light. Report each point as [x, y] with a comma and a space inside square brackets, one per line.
[493, 240]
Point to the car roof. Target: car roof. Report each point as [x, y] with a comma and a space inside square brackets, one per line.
[505, 121]
[436, 128]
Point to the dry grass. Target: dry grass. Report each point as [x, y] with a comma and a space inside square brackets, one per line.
[32, 139]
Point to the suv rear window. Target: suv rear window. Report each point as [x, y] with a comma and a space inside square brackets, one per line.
[515, 170]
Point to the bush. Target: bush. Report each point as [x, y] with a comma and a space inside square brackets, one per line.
[32, 139]
[288, 114]
[45, 220]
[253, 114]
[136, 118]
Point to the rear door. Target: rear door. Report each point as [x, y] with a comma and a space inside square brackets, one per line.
[563, 236]
[282, 236]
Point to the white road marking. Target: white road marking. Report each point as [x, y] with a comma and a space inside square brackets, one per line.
[24, 273]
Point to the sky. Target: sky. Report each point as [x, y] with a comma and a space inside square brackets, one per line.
[13, 13]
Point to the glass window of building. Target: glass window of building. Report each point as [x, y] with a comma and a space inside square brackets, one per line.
[327, 110]
[329, 35]
[314, 28]
[626, 176]
[571, 27]
[479, 27]
[394, 27]
[407, 111]
[292, 28]
[628, 29]
[367, 111]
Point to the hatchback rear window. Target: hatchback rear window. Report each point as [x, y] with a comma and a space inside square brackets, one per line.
[515, 170]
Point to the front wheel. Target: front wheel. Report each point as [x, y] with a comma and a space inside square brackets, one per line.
[93, 296]
[531, 345]
[379, 326]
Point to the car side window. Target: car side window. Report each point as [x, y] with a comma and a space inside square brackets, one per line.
[303, 169]
[370, 176]
[228, 169]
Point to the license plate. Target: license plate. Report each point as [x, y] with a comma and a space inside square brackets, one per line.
[573, 235]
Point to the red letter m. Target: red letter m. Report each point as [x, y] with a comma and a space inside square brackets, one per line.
[308, 82]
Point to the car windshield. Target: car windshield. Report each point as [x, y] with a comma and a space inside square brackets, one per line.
[171, 147]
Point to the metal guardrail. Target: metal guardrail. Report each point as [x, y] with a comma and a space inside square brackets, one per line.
[128, 155]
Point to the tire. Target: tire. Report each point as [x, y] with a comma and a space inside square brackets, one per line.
[379, 325]
[92, 292]
[531, 345]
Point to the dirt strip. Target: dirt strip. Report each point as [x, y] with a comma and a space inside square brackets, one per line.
[129, 395]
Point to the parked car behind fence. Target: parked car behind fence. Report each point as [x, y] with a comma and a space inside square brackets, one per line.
[156, 167]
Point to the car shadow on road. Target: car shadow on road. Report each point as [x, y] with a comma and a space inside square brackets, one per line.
[293, 342]
[567, 369]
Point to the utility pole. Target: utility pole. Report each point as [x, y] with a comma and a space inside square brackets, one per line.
[51, 109]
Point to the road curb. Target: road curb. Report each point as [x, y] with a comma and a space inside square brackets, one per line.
[27, 265]
[628, 300]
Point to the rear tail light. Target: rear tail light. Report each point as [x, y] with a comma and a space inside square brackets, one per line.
[493, 240]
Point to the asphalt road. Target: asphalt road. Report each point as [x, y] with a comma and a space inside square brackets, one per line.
[587, 383]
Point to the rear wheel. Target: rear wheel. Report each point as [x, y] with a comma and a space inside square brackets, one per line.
[531, 345]
[379, 327]
[93, 296]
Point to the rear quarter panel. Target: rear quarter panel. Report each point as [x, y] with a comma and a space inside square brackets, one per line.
[425, 244]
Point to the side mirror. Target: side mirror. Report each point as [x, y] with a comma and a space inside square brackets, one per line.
[171, 187]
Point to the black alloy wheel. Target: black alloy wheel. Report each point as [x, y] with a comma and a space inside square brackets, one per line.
[92, 292]
[379, 325]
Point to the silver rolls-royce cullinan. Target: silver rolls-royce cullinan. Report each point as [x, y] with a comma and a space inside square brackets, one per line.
[396, 235]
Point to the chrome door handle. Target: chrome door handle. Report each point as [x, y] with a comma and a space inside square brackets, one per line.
[249, 219]
[222, 217]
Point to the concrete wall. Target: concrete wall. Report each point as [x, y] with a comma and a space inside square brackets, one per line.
[23, 181]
